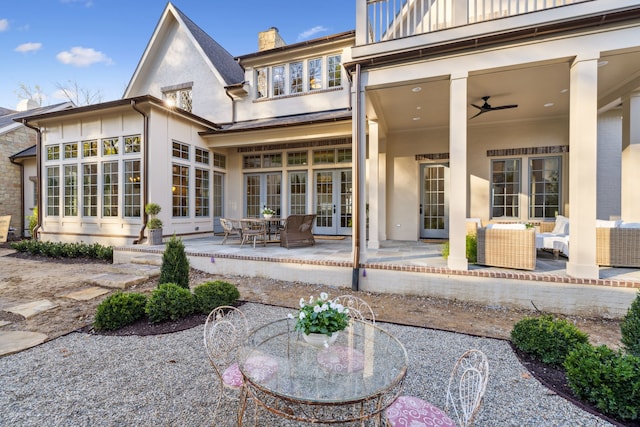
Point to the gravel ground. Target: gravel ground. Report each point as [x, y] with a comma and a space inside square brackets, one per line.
[166, 380]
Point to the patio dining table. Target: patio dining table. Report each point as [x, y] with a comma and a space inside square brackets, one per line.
[272, 224]
[352, 380]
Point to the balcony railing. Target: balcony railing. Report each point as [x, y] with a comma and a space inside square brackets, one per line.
[394, 19]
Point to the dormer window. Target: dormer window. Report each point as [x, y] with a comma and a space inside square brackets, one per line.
[179, 96]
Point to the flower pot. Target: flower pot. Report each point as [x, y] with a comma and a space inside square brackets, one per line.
[267, 216]
[319, 340]
[155, 236]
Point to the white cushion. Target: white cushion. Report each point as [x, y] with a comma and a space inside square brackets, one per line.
[630, 225]
[603, 223]
[507, 226]
[562, 225]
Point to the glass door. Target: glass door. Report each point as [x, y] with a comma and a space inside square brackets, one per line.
[218, 201]
[262, 190]
[334, 202]
[434, 202]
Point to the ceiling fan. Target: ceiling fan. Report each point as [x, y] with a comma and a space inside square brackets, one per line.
[485, 108]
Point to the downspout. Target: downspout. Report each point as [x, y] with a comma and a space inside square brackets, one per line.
[233, 105]
[355, 275]
[145, 170]
[34, 232]
[21, 166]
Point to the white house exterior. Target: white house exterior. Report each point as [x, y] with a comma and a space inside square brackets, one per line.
[376, 124]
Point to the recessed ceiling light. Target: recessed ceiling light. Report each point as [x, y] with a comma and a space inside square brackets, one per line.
[416, 89]
[549, 104]
[602, 63]
[564, 91]
[415, 119]
[418, 108]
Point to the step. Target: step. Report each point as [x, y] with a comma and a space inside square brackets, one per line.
[148, 270]
[149, 259]
[117, 280]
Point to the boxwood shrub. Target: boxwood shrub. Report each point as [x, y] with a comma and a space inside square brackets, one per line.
[608, 379]
[471, 249]
[210, 295]
[64, 250]
[169, 302]
[630, 328]
[547, 339]
[175, 265]
[118, 310]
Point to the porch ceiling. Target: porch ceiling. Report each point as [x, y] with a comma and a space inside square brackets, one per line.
[402, 107]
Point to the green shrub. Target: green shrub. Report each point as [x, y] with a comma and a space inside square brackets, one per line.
[118, 310]
[175, 265]
[610, 380]
[471, 251]
[64, 250]
[169, 302]
[33, 221]
[630, 328]
[546, 338]
[210, 295]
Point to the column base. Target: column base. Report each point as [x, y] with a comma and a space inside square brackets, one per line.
[583, 271]
[457, 263]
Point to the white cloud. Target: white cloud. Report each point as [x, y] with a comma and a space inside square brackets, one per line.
[312, 32]
[28, 47]
[4, 24]
[83, 57]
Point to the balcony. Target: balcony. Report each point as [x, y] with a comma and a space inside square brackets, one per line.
[394, 19]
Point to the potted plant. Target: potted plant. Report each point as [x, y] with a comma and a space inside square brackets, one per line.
[268, 213]
[154, 224]
[321, 319]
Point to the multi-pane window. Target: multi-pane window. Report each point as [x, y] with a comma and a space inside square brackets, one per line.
[544, 181]
[262, 79]
[53, 152]
[53, 190]
[314, 70]
[252, 161]
[132, 144]
[505, 188]
[218, 192]
[71, 150]
[219, 160]
[132, 188]
[71, 190]
[180, 150]
[298, 193]
[278, 80]
[181, 98]
[324, 157]
[272, 160]
[110, 189]
[202, 192]
[344, 155]
[90, 189]
[295, 77]
[334, 71]
[298, 158]
[180, 190]
[202, 156]
[90, 148]
[110, 146]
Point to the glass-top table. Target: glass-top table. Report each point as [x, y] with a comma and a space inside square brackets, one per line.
[353, 379]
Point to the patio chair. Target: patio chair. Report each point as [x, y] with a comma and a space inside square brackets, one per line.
[231, 227]
[254, 230]
[467, 384]
[297, 231]
[358, 308]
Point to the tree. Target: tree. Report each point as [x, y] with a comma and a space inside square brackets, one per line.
[27, 92]
[79, 95]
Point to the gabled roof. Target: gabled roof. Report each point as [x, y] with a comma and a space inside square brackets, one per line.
[24, 154]
[221, 62]
[8, 121]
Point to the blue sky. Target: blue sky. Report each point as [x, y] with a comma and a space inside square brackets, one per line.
[98, 43]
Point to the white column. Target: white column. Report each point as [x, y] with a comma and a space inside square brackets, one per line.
[630, 172]
[583, 149]
[374, 183]
[361, 22]
[458, 172]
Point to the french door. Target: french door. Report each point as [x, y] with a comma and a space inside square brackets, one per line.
[334, 202]
[434, 201]
[218, 201]
[262, 190]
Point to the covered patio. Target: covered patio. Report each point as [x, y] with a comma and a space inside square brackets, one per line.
[412, 267]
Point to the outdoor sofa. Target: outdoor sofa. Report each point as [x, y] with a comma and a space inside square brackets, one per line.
[297, 231]
[507, 246]
[618, 243]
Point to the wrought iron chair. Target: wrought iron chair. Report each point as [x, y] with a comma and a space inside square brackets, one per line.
[358, 308]
[253, 230]
[231, 227]
[467, 384]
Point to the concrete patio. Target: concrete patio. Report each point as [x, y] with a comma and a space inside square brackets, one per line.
[414, 268]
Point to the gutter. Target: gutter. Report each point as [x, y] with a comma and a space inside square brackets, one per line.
[355, 275]
[145, 170]
[34, 232]
[233, 105]
[21, 166]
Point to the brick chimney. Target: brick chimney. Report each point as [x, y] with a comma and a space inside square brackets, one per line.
[269, 39]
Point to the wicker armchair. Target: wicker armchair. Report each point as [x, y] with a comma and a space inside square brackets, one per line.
[507, 248]
[619, 247]
[297, 231]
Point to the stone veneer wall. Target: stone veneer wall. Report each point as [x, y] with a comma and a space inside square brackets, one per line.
[12, 143]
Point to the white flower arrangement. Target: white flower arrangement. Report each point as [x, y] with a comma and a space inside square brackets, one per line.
[321, 316]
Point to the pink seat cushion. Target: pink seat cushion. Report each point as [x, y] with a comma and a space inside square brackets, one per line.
[414, 412]
[232, 376]
[341, 359]
[260, 368]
